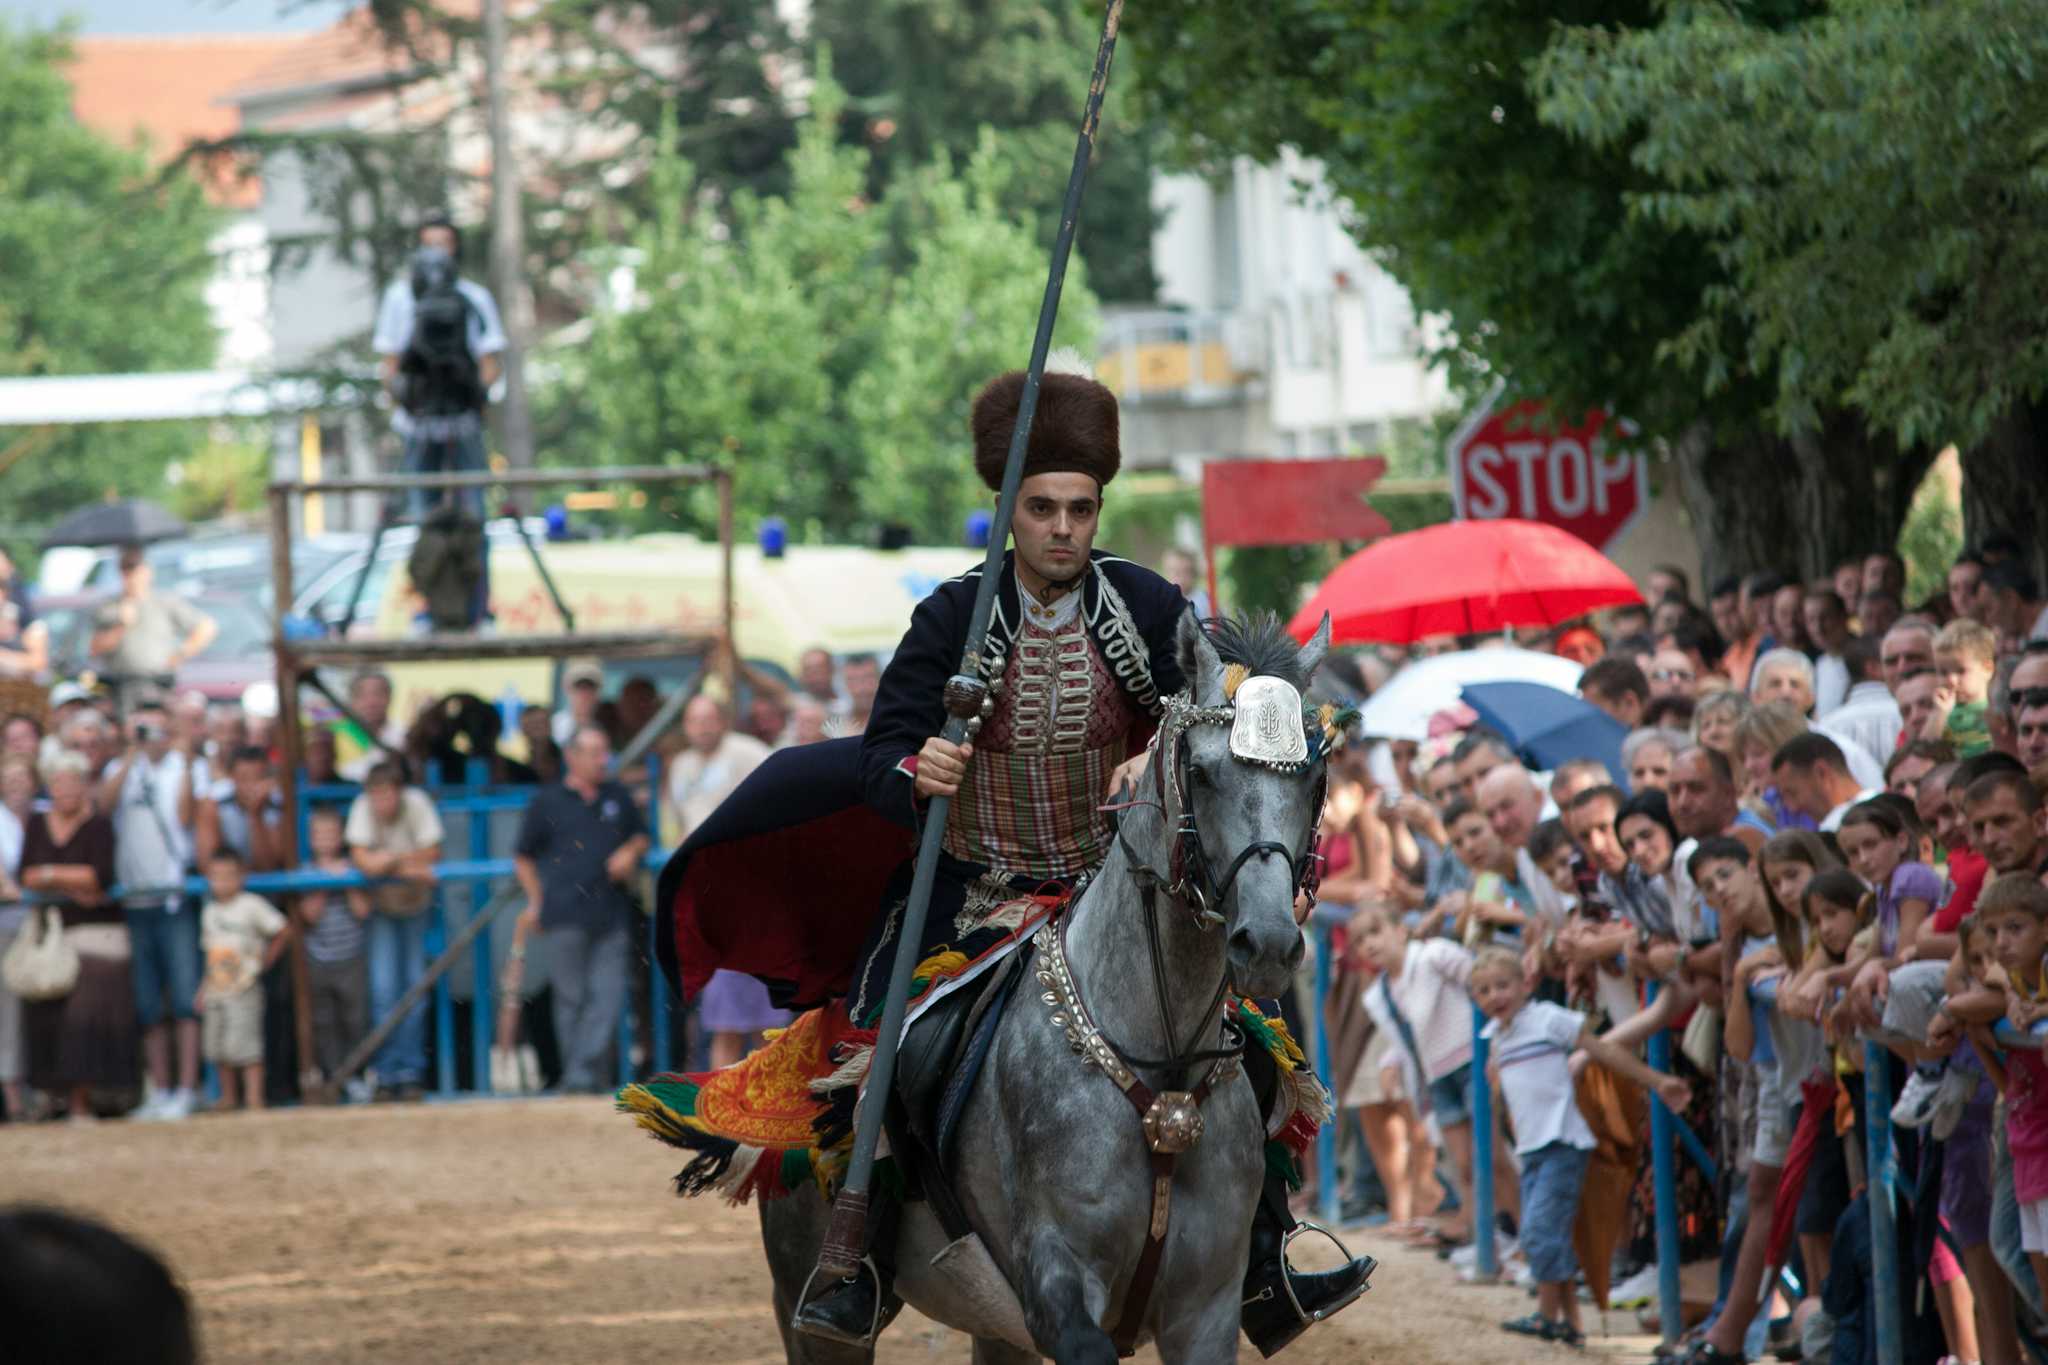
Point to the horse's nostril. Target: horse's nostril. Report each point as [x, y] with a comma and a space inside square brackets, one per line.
[1243, 948]
[1300, 948]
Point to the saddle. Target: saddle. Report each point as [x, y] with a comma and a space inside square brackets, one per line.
[937, 1066]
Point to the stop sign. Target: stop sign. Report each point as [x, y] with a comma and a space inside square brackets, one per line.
[1515, 462]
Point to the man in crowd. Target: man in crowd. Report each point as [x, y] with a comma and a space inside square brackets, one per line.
[394, 837]
[2030, 733]
[862, 676]
[1813, 779]
[1868, 715]
[1783, 674]
[717, 760]
[579, 848]
[148, 793]
[1666, 582]
[143, 637]
[1876, 612]
[1705, 801]
[2008, 602]
[1963, 577]
[1919, 698]
[1179, 567]
[1884, 571]
[814, 676]
[1907, 648]
[359, 747]
[1513, 804]
[808, 723]
[582, 688]
[1617, 687]
[1738, 635]
[1827, 625]
[1788, 620]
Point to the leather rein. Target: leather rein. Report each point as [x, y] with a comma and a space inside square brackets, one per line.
[1171, 1119]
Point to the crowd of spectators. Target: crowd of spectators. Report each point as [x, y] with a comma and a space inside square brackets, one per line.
[119, 801]
[1826, 828]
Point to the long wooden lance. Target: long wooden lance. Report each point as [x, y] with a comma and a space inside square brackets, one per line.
[846, 1235]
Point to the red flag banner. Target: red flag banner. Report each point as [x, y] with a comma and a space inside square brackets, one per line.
[1290, 502]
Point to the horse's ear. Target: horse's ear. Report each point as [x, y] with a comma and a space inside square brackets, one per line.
[1312, 653]
[1200, 664]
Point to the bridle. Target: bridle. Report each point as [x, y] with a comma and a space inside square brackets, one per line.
[1172, 1119]
[1190, 881]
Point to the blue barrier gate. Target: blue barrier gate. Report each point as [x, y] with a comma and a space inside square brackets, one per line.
[1488, 1260]
[1328, 1202]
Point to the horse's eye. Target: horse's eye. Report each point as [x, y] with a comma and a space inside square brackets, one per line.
[1199, 776]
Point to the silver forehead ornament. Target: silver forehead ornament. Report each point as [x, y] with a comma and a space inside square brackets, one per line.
[1267, 728]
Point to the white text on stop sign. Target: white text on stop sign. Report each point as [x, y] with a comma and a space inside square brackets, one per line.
[1574, 479]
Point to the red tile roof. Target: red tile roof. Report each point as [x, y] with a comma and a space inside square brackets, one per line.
[351, 49]
[169, 91]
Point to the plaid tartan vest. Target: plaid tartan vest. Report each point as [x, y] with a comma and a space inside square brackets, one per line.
[1061, 725]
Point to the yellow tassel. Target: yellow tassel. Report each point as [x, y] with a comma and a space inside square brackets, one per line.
[657, 1118]
[1233, 675]
[941, 964]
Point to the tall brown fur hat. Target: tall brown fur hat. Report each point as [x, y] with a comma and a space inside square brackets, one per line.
[1074, 429]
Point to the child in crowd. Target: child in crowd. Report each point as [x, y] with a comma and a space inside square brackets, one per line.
[1420, 1000]
[1550, 848]
[337, 957]
[1533, 1042]
[2015, 909]
[1879, 842]
[1965, 1132]
[241, 936]
[1965, 655]
[1488, 913]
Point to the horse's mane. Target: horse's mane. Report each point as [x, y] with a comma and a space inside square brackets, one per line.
[1258, 641]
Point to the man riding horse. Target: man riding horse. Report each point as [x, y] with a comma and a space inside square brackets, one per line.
[1080, 651]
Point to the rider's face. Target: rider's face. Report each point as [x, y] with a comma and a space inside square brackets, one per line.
[1055, 522]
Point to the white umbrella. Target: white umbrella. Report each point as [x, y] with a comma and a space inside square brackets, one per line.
[1402, 708]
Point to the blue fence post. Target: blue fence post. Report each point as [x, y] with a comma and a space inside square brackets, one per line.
[444, 1003]
[661, 1000]
[1882, 1164]
[1328, 1203]
[1664, 1182]
[1487, 1263]
[482, 1018]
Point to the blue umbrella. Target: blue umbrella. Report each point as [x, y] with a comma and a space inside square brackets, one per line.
[1546, 726]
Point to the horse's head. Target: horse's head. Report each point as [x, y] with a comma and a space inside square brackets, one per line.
[1245, 776]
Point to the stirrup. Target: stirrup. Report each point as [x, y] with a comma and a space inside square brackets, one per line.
[1271, 1337]
[826, 1331]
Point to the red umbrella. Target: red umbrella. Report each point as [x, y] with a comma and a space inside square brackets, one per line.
[1463, 578]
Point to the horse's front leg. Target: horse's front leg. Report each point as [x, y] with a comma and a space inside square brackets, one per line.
[1057, 1301]
[1208, 1334]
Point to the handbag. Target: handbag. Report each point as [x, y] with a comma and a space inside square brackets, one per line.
[1702, 1041]
[41, 964]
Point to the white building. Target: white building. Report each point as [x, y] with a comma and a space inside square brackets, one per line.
[1275, 335]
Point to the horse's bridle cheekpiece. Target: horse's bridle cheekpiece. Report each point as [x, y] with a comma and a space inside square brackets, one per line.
[1266, 719]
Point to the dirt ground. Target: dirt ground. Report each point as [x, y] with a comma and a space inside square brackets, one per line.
[515, 1231]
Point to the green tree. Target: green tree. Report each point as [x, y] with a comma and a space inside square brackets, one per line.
[776, 338]
[102, 271]
[1521, 235]
[926, 76]
[1869, 179]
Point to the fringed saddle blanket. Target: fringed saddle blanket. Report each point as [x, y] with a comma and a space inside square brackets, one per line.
[783, 1116]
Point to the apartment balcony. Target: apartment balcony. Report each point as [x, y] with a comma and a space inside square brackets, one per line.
[1176, 358]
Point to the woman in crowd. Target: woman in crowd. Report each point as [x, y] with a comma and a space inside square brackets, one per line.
[1714, 721]
[86, 1038]
[1759, 735]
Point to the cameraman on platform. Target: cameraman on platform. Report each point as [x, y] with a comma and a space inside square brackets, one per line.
[441, 340]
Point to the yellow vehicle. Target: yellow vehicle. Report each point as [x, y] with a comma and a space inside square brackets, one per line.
[846, 599]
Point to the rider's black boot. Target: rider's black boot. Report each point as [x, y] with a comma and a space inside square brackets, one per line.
[855, 1310]
[1281, 1303]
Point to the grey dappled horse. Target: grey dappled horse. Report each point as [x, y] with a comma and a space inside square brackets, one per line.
[1051, 1160]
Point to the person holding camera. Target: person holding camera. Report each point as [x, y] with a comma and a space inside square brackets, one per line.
[147, 791]
[440, 339]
